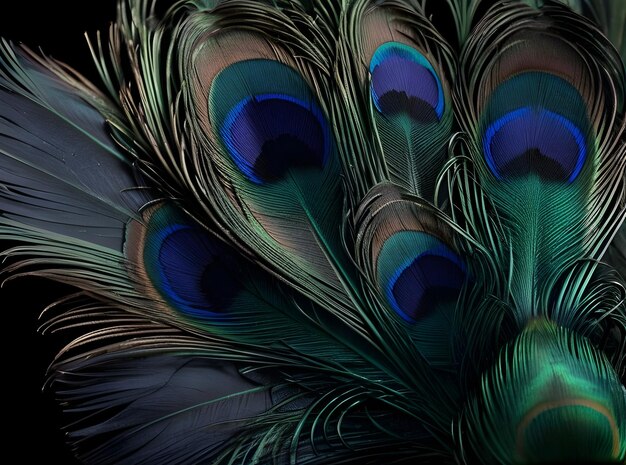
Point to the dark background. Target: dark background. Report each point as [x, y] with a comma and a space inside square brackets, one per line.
[31, 416]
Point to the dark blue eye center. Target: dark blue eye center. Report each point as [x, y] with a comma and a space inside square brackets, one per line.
[269, 134]
[419, 274]
[430, 280]
[404, 82]
[534, 140]
[196, 273]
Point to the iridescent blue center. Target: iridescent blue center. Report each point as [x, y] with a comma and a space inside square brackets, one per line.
[404, 82]
[195, 271]
[268, 134]
[534, 140]
[419, 274]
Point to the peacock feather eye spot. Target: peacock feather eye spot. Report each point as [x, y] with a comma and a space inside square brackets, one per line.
[529, 140]
[268, 134]
[430, 280]
[192, 270]
[403, 81]
[419, 274]
[536, 123]
[268, 120]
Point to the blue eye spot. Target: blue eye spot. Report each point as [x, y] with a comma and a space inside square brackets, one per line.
[268, 134]
[430, 279]
[534, 140]
[418, 273]
[404, 81]
[195, 272]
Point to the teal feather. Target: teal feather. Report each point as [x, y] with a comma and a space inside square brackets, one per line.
[347, 232]
[409, 257]
[616, 254]
[272, 176]
[398, 71]
[547, 193]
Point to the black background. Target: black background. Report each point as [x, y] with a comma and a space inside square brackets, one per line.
[31, 416]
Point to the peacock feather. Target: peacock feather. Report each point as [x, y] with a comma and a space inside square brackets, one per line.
[330, 231]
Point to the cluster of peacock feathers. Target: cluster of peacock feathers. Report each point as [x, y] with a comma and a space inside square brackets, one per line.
[331, 231]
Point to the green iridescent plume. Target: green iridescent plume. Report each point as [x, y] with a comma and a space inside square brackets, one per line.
[317, 232]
